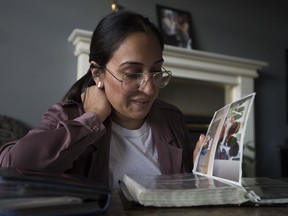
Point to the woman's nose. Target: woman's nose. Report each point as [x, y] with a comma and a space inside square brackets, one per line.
[147, 86]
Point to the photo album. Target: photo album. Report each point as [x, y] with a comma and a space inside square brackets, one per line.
[27, 192]
[216, 178]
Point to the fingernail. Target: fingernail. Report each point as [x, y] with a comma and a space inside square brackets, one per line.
[201, 137]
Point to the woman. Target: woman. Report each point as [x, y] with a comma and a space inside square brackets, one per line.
[110, 122]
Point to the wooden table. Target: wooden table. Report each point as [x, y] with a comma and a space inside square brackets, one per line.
[120, 206]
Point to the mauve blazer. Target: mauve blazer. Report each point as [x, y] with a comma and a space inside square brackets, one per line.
[68, 140]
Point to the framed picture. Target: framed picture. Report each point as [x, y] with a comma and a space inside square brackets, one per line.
[175, 26]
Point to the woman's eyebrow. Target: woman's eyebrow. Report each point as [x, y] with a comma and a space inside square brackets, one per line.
[139, 63]
[130, 63]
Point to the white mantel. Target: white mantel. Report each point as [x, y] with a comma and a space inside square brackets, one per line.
[235, 74]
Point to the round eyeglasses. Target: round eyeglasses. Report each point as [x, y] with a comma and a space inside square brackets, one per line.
[133, 81]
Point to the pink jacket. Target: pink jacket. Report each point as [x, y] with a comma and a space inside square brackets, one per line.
[71, 141]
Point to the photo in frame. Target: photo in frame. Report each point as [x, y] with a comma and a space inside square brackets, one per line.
[176, 27]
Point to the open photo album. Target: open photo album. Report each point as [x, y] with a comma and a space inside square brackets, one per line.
[216, 178]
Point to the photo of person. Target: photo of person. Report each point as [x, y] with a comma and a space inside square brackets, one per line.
[229, 149]
[175, 26]
[211, 139]
[228, 146]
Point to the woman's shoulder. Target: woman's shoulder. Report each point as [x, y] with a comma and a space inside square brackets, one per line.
[67, 108]
[66, 104]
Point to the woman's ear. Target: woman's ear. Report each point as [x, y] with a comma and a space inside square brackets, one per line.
[98, 79]
[96, 74]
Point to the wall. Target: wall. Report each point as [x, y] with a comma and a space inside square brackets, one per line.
[37, 64]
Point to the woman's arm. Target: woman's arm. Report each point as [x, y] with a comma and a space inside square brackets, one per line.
[62, 136]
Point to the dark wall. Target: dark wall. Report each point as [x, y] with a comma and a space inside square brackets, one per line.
[37, 64]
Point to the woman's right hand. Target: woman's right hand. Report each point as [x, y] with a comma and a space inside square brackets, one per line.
[94, 100]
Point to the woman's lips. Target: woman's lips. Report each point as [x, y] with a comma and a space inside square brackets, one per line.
[141, 101]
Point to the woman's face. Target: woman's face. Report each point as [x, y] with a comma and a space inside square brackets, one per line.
[139, 53]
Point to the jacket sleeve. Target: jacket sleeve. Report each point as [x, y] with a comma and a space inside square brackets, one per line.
[62, 136]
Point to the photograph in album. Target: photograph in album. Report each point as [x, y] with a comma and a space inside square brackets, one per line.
[222, 151]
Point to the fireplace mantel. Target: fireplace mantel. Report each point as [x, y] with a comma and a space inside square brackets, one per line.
[235, 74]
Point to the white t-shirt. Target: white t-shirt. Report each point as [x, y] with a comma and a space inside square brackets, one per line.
[132, 151]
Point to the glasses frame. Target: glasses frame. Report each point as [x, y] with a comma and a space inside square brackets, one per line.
[141, 84]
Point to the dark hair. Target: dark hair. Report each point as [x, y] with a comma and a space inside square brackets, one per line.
[109, 34]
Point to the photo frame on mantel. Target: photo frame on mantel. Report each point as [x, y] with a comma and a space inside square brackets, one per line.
[176, 27]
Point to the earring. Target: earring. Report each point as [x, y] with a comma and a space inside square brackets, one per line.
[99, 84]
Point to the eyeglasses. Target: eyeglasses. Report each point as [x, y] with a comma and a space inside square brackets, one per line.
[133, 81]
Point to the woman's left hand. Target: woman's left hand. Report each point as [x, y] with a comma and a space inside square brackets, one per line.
[198, 146]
